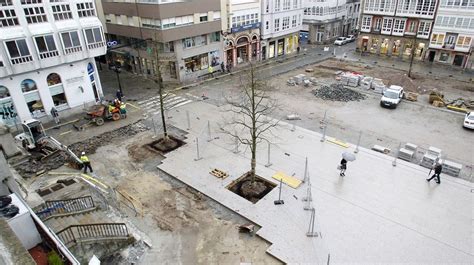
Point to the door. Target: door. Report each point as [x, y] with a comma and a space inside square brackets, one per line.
[431, 56]
[319, 37]
[458, 60]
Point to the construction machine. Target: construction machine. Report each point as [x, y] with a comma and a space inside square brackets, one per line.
[97, 115]
[34, 139]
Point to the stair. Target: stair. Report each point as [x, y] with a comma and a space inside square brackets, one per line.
[59, 223]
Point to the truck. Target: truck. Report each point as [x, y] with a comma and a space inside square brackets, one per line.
[392, 96]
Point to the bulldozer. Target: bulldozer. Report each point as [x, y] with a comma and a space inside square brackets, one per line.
[98, 114]
[34, 139]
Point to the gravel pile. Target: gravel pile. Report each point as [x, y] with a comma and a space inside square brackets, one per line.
[337, 92]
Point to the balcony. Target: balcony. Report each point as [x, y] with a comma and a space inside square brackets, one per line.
[22, 59]
[96, 49]
[72, 50]
[49, 58]
[50, 54]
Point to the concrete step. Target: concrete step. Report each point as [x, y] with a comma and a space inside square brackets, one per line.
[59, 223]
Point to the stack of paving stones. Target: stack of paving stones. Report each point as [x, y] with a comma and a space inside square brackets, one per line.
[337, 92]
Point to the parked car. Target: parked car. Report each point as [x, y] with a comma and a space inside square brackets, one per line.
[340, 41]
[469, 121]
[350, 38]
[392, 96]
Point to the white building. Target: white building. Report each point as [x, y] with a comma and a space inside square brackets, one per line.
[324, 19]
[242, 32]
[282, 21]
[47, 51]
[452, 37]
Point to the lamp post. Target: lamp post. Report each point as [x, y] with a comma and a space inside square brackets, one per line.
[117, 70]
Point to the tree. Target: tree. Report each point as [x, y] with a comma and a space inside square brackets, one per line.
[252, 110]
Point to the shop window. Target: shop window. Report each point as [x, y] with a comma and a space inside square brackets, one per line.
[374, 46]
[56, 89]
[7, 110]
[215, 36]
[196, 63]
[443, 57]
[32, 97]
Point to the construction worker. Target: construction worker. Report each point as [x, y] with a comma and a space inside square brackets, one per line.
[86, 162]
[211, 71]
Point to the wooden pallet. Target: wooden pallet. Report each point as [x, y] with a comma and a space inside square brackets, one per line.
[219, 173]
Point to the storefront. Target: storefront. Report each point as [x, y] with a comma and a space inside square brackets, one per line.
[392, 46]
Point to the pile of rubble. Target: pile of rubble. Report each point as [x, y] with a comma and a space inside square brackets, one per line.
[337, 92]
[33, 166]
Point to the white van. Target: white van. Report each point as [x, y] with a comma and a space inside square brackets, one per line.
[392, 96]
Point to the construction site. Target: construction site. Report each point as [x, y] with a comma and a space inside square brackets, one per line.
[141, 204]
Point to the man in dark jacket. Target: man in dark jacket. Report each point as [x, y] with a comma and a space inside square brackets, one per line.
[437, 169]
[343, 167]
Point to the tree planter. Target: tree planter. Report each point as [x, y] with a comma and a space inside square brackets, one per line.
[252, 191]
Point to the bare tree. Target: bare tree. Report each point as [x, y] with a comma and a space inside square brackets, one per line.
[251, 111]
[159, 80]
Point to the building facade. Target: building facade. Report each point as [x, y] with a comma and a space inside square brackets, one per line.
[325, 20]
[397, 28]
[282, 21]
[187, 35]
[452, 37]
[47, 51]
[242, 31]
[351, 23]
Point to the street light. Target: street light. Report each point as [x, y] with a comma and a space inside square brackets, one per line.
[117, 69]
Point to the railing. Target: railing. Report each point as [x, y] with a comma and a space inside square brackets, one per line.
[73, 49]
[60, 207]
[93, 232]
[96, 45]
[49, 54]
[23, 59]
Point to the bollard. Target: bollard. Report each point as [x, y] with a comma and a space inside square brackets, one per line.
[311, 232]
[189, 120]
[305, 177]
[324, 134]
[279, 201]
[293, 127]
[323, 121]
[268, 156]
[394, 163]
[197, 150]
[358, 143]
[209, 131]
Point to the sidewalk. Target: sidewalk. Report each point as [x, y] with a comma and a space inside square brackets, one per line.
[378, 213]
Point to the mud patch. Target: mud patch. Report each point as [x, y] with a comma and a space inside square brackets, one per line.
[165, 146]
[252, 191]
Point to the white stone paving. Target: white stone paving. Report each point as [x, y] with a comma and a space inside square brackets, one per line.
[376, 214]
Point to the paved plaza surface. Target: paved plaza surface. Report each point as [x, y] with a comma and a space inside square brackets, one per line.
[378, 213]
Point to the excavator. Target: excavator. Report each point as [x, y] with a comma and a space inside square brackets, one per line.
[34, 139]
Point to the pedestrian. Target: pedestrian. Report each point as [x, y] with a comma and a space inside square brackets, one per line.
[86, 163]
[343, 167]
[119, 95]
[437, 170]
[55, 115]
[298, 49]
[211, 71]
[222, 67]
[228, 67]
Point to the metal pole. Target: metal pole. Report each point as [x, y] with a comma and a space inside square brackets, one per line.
[268, 156]
[311, 232]
[188, 119]
[358, 143]
[329, 257]
[118, 80]
[394, 163]
[279, 194]
[305, 170]
[324, 133]
[209, 131]
[197, 150]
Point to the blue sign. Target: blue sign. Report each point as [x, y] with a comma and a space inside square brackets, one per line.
[245, 27]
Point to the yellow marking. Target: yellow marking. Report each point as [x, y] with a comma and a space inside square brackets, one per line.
[338, 142]
[95, 180]
[132, 105]
[62, 173]
[288, 180]
[66, 132]
[131, 199]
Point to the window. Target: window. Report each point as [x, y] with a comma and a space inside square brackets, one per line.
[195, 41]
[188, 43]
[443, 57]
[150, 23]
[46, 46]
[6, 3]
[31, 2]
[398, 26]
[168, 23]
[378, 24]
[203, 17]
[437, 39]
[56, 89]
[196, 63]
[85, 9]
[184, 20]
[464, 42]
[424, 29]
[217, 15]
[286, 23]
[215, 36]
[35, 15]
[293, 21]
[277, 5]
[62, 12]
[412, 27]
[71, 42]
[267, 24]
[366, 21]
[277, 25]
[94, 38]
[387, 25]
[295, 4]
[286, 5]
[18, 51]
[8, 18]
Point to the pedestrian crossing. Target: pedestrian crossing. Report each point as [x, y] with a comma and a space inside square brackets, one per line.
[151, 106]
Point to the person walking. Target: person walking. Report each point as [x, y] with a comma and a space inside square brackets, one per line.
[222, 67]
[343, 167]
[55, 115]
[211, 71]
[86, 162]
[437, 171]
[119, 95]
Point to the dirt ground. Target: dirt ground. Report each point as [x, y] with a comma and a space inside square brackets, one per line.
[183, 226]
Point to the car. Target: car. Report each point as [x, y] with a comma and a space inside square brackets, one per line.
[392, 96]
[469, 121]
[350, 38]
[340, 41]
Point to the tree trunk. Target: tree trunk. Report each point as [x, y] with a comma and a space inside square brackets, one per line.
[253, 161]
[160, 91]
